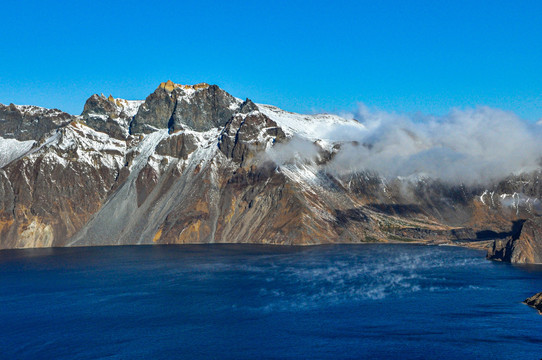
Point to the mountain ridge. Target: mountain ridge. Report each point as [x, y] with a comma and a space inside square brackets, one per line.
[193, 164]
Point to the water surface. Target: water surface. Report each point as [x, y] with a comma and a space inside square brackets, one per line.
[260, 302]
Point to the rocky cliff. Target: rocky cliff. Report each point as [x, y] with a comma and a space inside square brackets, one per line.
[193, 164]
[522, 247]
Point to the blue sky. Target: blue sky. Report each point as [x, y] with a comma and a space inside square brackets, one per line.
[404, 56]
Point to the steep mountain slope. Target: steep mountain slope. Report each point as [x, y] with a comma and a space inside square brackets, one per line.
[193, 164]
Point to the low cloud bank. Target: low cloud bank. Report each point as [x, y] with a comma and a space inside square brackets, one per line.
[470, 146]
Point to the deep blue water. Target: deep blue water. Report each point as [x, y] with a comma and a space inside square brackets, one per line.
[258, 302]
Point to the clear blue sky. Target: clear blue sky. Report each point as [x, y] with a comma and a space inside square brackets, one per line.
[403, 56]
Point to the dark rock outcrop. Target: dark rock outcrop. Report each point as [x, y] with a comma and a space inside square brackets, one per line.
[26, 122]
[199, 107]
[535, 302]
[246, 135]
[108, 115]
[209, 107]
[100, 105]
[178, 145]
[156, 111]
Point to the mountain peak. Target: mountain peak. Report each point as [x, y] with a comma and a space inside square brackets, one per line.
[110, 115]
[199, 107]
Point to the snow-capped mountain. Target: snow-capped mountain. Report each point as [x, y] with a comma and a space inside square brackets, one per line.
[193, 164]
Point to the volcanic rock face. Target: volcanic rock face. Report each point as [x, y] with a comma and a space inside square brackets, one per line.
[51, 192]
[109, 115]
[30, 122]
[523, 248]
[199, 107]
[248, 134]
[193, 164]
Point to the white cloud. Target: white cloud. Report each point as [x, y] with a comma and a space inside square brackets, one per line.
[469, 146]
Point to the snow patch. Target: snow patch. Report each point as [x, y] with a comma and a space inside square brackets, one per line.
[520, 200]
[32, 110]
[324, 127]
[78, 142]
[11, 149]
[130, 107]
[304, 174]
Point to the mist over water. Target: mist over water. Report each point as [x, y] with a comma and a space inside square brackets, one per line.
[246, 302]
[322, 281]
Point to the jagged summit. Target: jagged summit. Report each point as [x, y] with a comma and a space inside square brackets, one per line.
[130, 107]
[110, 115]
[171, 106]
[199, 107]
[170, 86]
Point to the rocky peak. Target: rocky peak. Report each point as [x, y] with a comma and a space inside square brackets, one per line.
[100, 105]
[200, 107]
[246, 135]
[110, 115]
[27, 122]
[248, 106]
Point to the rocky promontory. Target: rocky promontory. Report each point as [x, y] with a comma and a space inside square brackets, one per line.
[535, 302]
[524, 247]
